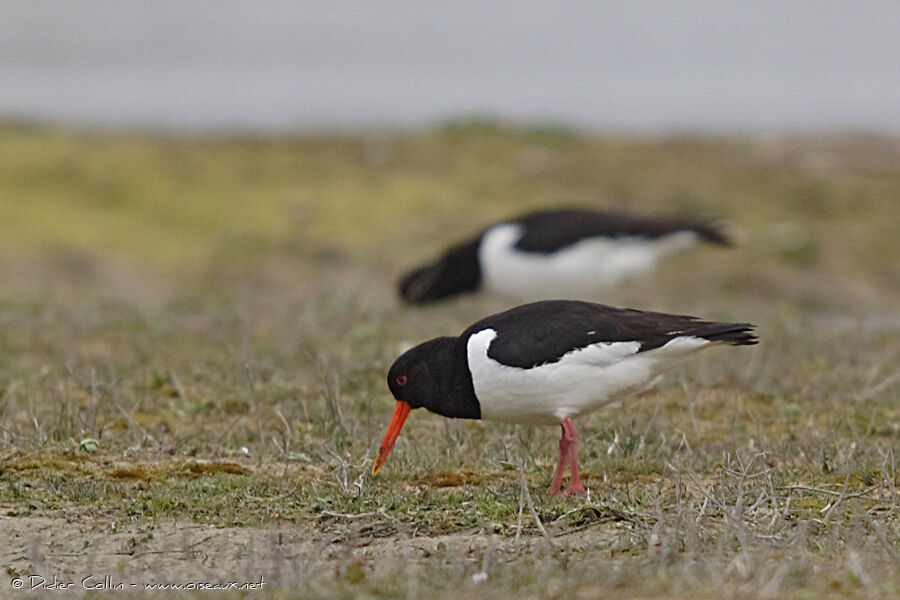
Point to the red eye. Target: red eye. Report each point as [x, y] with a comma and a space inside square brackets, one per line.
[401, 380]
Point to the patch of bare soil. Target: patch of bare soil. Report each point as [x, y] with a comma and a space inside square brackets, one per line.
[41, 554]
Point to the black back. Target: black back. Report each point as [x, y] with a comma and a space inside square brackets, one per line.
[543, 332]
[548, 231]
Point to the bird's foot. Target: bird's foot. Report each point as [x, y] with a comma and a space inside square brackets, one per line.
[575, 487]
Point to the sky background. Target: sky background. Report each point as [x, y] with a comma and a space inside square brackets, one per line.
[644, 67]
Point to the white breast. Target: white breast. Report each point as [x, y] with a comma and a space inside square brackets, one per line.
[581, 270]
[581, 381]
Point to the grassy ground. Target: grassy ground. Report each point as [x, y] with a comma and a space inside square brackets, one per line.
[194, 334]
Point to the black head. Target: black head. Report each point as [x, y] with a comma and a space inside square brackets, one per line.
[456, 272]
[416, 376]
[433, 375]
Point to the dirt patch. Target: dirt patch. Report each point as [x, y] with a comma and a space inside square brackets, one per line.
[43, 554]
[98, 465]
[443, 479]
[166, 471]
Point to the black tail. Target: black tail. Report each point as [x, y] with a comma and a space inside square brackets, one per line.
[736, 334]
[713, 233]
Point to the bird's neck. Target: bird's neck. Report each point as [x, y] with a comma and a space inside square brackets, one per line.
[455, 395]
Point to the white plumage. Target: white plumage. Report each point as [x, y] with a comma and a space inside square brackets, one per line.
[583, 269]
[581, 381]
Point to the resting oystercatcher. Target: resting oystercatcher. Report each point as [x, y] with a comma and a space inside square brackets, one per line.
[547, 363]
[566, 253]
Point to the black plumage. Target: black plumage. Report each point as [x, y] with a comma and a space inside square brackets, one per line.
[548, 231]
[543, 332]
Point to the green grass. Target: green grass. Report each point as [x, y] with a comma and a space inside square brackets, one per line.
[219, 314]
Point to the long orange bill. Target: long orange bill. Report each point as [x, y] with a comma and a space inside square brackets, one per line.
[393, 430]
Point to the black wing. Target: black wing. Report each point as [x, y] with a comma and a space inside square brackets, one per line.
[542, 332]
[547, 231]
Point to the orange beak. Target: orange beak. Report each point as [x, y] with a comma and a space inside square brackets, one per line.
[393, 430]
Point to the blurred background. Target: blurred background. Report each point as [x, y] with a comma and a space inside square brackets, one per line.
[148, 149]
[644, 67]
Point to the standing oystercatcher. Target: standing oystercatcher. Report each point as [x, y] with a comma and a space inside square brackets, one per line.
[546, 363]
[567, 253]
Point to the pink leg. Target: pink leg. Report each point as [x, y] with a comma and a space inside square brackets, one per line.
[568, 454]
[564, 455]
[571, 432]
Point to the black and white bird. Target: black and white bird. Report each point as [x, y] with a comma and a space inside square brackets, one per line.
[564, 253]
[546, 363]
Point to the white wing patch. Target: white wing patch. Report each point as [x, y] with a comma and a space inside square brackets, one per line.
[584, 268]
[581, 381]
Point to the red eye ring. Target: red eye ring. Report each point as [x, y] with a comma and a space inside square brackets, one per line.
[401, 380]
